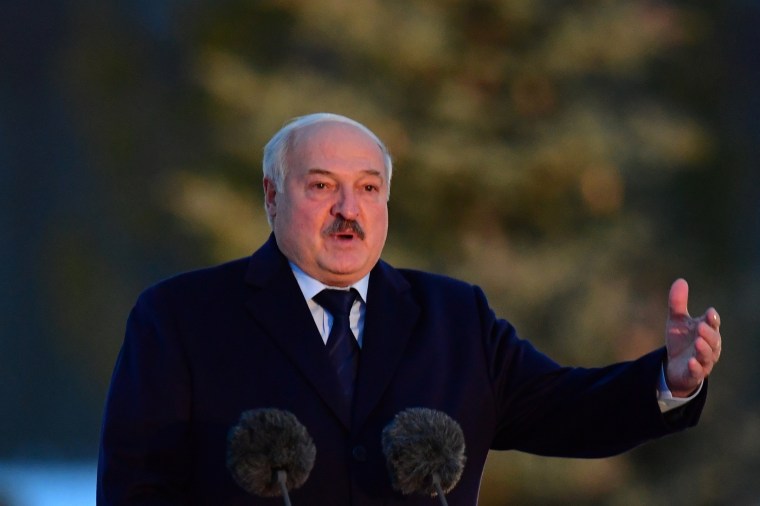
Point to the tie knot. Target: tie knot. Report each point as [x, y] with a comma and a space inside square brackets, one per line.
[337, 302]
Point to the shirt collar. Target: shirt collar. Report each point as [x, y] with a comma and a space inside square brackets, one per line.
[310, 286]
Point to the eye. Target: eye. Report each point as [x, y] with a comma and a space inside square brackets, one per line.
[319, 185]
[370, 188]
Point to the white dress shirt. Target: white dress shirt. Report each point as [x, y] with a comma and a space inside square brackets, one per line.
[665, 398]
[323, 319]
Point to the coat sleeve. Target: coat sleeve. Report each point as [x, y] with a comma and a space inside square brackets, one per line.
[144, 452]
[547, 409]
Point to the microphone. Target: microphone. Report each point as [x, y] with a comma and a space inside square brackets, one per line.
[270, 452]
[424, 450]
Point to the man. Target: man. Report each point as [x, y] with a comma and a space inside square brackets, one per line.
[203, 347]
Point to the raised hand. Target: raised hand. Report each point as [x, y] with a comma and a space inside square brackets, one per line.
[693, 344]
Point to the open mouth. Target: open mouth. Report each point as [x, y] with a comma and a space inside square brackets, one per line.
[345, 230]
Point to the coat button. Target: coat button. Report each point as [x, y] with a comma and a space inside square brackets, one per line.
[359, 453]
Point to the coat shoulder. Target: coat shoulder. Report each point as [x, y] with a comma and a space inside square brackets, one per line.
[208, 282]
[428, 281]
[439, 289]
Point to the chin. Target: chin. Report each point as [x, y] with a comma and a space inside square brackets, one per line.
[345, 273]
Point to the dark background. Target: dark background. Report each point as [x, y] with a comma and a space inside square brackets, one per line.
[573, 158]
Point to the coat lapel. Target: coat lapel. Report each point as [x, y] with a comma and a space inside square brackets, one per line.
[277, 304]
[390, 318]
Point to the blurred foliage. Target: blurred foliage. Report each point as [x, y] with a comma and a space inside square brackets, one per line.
[525, 127]
[562, 155]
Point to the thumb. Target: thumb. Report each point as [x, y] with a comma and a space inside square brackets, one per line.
[678, 298]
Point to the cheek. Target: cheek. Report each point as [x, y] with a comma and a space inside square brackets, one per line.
[379, 223]
[306, 220]
[379, 215]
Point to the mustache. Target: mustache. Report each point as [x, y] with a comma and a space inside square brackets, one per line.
[341, 225]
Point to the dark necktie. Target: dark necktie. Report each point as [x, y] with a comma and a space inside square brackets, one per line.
[342, 347]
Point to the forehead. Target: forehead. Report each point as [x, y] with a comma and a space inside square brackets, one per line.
[328, 144]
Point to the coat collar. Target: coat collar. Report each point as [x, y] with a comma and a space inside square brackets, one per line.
[278, 306]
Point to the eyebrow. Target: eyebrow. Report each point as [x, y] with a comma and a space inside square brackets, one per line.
[325, 172]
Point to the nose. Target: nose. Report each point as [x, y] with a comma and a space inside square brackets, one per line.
[347, 204]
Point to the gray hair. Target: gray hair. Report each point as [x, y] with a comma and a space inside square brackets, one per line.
[276, 150]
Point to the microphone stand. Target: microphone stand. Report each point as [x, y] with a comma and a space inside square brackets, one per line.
[281, 479]
[439, 490]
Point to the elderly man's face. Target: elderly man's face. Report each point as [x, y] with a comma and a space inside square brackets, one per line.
[332, 217]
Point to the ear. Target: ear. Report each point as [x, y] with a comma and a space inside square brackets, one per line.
[270, 197]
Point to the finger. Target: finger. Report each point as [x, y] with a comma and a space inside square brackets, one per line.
[705, 356]
[710, 335]
[678, 298]
[712, 318]
[696, 370]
